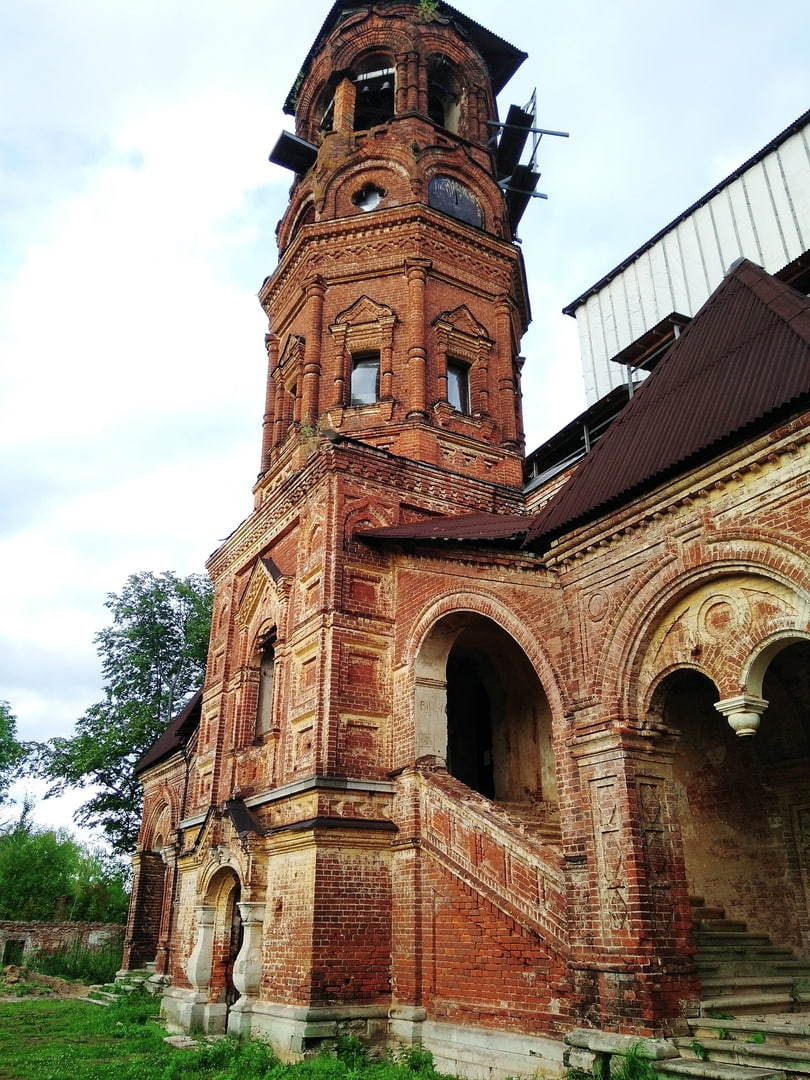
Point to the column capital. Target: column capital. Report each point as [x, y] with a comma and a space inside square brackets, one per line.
[743, 713]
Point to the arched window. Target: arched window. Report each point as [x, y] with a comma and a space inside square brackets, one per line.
[444, 93]
[264, 707]
[374, 87]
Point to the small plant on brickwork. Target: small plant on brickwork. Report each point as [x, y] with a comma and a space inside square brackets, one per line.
[699, 1050]
[798, 991]
[721, 1016]
[309, 431]
[634, 1065]
[427, 10]
[723, 1033]
[757, 1037]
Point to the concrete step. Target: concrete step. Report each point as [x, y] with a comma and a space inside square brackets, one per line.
[93, 1001]
[728, 952]
[708, 924]
[796, 971]
[716, 938]
[714, 1070]
[747, 1004]
[718, 985]
[757, 1055]
[785, 1029]
[706, 911]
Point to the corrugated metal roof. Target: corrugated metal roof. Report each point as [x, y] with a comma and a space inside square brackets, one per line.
[479, 526]
[174, 738]
[791, 129]
[744, 359]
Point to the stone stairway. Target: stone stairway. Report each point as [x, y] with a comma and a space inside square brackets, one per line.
[538, 821]
[743, 973]
[755, 1009]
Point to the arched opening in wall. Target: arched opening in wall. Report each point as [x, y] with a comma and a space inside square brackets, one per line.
[743, 804]
[444, 93]
[374, 91]
[482, 709]
[264, 703]
[223, 894]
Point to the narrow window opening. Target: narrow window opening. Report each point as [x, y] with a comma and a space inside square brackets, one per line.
[365, 378]
[444, 94]
[458, 385]
[328, 118]
[264, 707]
[374, 103]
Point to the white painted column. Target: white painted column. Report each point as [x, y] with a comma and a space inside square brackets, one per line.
[198, 968]
[247, 967]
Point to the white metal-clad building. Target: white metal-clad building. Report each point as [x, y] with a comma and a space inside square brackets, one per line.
[761, 211]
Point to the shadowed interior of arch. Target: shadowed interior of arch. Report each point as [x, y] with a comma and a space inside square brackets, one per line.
[496, 716]
[743, 805]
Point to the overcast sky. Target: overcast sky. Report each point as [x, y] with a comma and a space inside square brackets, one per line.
[137, 218]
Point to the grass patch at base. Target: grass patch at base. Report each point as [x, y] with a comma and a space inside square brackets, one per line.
[72, 1040]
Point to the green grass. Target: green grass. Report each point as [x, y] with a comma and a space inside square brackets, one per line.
[74, 961]
[71, 1040]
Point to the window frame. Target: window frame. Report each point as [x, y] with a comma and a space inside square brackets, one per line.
[457, 366]
[360, 359]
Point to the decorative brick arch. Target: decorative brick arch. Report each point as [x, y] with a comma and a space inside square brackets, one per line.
[756, 664]
[395, 174]
[723, 558]
[161, 804]
[479, 603]
[492, 724]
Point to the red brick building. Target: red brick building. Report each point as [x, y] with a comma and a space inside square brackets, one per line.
[463, 754]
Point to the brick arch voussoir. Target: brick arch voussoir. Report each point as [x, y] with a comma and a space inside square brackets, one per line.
[481, 603]
[212, 867]
[718, 557]
[660, 677]
[375, 167]
[163, 800]
[435, 39]
[486, 191]
[351, 43]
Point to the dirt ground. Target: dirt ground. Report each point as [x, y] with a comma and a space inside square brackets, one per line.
[18, 983]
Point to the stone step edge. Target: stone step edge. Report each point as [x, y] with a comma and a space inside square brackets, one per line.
[741, 1023]
[748, 980]
[739, 1046]
[716, 1070]
[744, 1001]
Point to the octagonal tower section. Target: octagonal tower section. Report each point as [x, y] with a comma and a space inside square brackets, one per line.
[399, 301]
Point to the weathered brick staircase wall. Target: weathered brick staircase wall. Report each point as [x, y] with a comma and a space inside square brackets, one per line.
[487, 944]
[518, 872]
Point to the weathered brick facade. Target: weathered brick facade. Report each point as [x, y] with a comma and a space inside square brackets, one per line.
[462, 791]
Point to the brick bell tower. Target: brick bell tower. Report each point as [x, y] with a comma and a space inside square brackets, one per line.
[393, 395]
[399, 301]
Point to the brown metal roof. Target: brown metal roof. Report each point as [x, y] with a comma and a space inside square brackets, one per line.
[481, 526]
[742, 361]
[174, 738]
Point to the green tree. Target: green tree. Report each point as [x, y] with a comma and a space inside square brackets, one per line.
[153, 660]
[46, 876]
[12, 752]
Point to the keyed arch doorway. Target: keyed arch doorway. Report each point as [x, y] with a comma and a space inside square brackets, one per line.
[481, 709]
